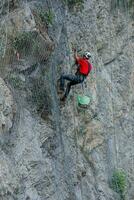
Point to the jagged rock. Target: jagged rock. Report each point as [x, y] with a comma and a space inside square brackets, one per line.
[9, 182]
[91, 138]
[7, 108]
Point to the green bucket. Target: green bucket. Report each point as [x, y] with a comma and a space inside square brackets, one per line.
[83, 100]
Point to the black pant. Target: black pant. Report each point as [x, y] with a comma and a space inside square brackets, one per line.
[73, 80]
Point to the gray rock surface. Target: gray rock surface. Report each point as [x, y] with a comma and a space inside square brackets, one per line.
[54, 152]
[7, 108]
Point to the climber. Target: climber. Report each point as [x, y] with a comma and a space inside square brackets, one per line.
[83, 69]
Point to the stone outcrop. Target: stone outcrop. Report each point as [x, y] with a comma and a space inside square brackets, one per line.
[7, 108]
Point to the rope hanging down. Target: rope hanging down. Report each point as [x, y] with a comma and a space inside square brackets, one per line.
[76, 126]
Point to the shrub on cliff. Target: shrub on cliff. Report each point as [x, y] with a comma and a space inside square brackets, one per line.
[46, 16]
[72, 3]
[23, 41]
[118, 183]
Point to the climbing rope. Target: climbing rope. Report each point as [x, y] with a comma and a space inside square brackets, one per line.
[76, 127]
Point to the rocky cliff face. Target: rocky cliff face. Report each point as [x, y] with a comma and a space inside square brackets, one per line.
[55, 152]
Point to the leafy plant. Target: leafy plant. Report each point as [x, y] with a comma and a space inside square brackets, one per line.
[49, 17]
[126, 4]
[40, 97]
[118, 183]
[72, 3]
[1, 47]
[22, 41]
[16, 82]
[46, 16]
[2, 42]
[26, 42]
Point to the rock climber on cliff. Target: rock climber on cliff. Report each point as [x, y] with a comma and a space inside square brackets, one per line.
[83, 69]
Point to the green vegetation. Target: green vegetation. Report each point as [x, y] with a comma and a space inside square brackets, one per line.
[23, 41]
[72, 3]
[15, 81]
[118, 183]
[26, 43]
[1, 47]
[49, 16]
[125, 4]
[31, 44]
[2, 41]
[46, 16]
[39, 95]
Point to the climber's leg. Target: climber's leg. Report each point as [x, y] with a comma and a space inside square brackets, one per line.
[68, 77]
[76, 79]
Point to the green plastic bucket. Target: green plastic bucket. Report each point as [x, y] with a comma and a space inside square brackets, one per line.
[83, 100]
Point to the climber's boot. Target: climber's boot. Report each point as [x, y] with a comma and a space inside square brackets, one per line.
[63, 99]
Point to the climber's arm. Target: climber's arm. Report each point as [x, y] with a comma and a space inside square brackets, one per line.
[76, 56]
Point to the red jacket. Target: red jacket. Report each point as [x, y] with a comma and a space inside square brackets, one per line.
[84, 66]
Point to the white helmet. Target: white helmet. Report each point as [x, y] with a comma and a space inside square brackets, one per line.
[87, 54]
